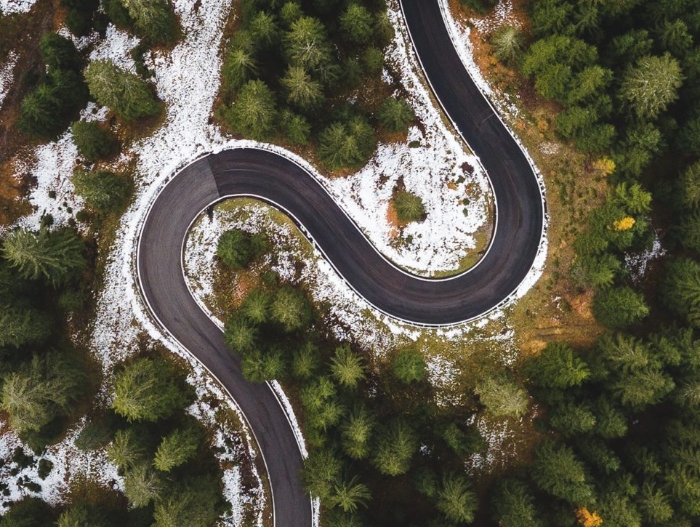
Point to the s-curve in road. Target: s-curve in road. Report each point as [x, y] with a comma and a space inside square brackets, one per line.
[284, 184]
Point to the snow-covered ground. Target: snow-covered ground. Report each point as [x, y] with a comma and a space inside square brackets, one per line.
[7, 7]
[187, 79]
[6, 74]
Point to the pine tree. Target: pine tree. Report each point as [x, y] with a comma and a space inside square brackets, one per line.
[508, 44]
[688, 231]
[349, 495]
[395, 115]
[46, 388]
[263, 30]
[40, 112]
[456, 500]
[557, 366]
[78, 516]
[93, 141]
[558, 472]
[651, 85]
[306, 44]
[258, 366]
[347, 367]
[356, 432]
[196, 503]
[125, 451]
[408, 365]
[55, 256]
[302, 90]
[296, 128]
[306, 361]
[142, 485]
[146, 391]
[240, 67]
[513, 505]
[356, 24]
[572, 418]
[395, 448]
[253, 114]
[408, 206]
[321, 470]
[654, 504]
[291, 309]
[22, 325]
[502, 396]
[240, 335]
[680, 290]
[102, 190]
[689, 186]
[125, 93]
[176, 448]
[234, 249]
[59, 53]
[619, 307]
[153, 18]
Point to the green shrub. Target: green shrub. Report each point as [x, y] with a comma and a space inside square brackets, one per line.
[408, 206]
[93, 141]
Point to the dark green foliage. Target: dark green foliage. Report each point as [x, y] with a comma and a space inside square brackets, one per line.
[408, 206]
[395, 115]
[347, 367]
[41, 391]
[254, 113]
[356, 24]
[289, 65]
[356, 432]
[557, 366]
[194, 503]
[235, 249]
[93, 141]
[321, 469]
[619, 307]
[456, 500]
[145, 390]
[96, 434]
[101, 190]
[59, 53]
[45, 468]
[680, 290]
[54, 256]
[153, 19]
[240, 335]
[513, 505]
[125, 93]
[117, 13]
[408, 365]
[29, 512]
[480, 6]
[305, 361]
[126, 450]
[22, 325]
[290, 309]
[346, 145]
[558, 472]
[177, 448]
[508, 44]
[396, 445]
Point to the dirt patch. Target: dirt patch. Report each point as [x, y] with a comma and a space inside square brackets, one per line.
[393, 219]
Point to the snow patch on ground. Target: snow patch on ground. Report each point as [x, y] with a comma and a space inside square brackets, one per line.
[501, 15]
[499, 440]
[69, 463]
[637, 263]
[8, 7]
[51, 169]
[7, 74]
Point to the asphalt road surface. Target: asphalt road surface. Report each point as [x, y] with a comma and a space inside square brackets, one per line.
[272, 178]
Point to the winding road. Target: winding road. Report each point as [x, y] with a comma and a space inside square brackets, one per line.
[282, 183]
